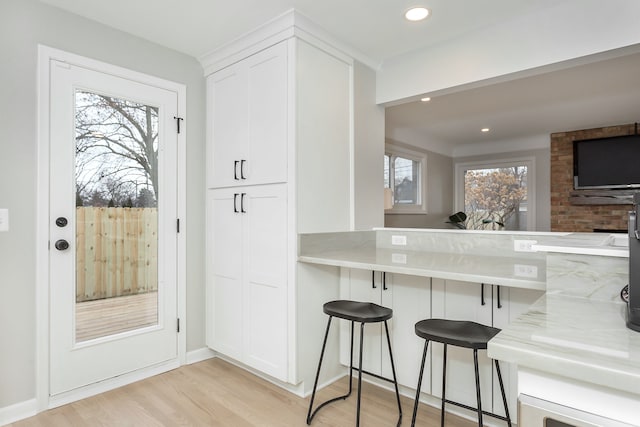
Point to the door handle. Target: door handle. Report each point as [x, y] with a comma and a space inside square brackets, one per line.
[499, 303]
[235, 203]
[384, 281]
[62, 245]
[242, 162]
[373, 279]
[482, 301]
[61, 221]
[242, 203]
[235, 170]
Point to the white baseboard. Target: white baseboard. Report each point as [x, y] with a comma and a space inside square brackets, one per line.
[199, 355]
[18, 411]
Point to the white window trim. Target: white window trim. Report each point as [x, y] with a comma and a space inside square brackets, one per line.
[392, 149]
[530, 162]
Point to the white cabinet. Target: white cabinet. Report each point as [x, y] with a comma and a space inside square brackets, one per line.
[248, 293]
[278, 117]
[489, 305]
[247, 108]
[409, 298]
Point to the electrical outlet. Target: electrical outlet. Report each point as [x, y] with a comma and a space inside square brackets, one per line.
[4, 219]
[399, 240]
[524, 245]
[525, 270]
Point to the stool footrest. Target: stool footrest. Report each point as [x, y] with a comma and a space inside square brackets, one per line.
[471, 408]
[374, 375]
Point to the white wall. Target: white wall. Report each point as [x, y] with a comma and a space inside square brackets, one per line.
[567, 30]
[369, 150]
[23, 25]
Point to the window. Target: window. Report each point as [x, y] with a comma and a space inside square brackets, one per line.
[497, 195]
[404, 175]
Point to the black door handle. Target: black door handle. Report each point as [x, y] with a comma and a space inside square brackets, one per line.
[482, 302]
[373, 279]
[384, 281]
[242, 203]
[499, 303]
[62, 245]
[235, 169]
[242, 162]
[235, 202]
[61, 221]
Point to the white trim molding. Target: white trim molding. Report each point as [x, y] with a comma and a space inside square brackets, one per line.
[18, 411]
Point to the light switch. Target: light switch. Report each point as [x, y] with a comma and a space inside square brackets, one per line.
[4, 219]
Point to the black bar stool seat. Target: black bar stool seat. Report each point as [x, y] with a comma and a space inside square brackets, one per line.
[456, 332]
[363, 313]
[465, 334]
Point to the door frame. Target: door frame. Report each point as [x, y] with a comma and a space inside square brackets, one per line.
[45, 55]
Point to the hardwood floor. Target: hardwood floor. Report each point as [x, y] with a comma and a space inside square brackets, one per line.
[216, 393]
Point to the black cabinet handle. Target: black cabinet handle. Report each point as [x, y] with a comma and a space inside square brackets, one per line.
[384, 281]
[482, 301]
[242, 203]
[242, 162]
[373, 279]
[499, 303]
[235, 169]
[235, 202]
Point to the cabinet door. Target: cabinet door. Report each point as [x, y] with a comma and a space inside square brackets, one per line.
[224, 330]
[265, 267]
[266, 156]
[410, 299]
[226, 125]
[457, 300]
[365, 286]
[513, 302]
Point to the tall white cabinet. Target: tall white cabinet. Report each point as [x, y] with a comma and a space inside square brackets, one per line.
[279, 162]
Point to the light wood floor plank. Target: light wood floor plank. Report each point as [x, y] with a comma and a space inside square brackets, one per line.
[216, 393]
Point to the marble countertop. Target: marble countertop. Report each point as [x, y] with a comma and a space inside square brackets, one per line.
[615, 245]
[574, 337]
[505, 271]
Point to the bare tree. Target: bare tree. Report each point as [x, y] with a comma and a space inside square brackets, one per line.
[116, 145]
[493, 196]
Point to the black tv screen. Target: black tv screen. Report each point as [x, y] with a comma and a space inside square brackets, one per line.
[607, 162]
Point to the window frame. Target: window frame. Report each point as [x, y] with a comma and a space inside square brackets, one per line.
[392, 151]
[529, 162]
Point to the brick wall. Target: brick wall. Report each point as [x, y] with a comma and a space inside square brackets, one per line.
[564, 215]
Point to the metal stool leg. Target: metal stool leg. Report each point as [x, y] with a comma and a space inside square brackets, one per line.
[417, 401]
[504, 396]
[359, 376]
[315, 384]
[393, 370]
[444, 384]
[475, 365]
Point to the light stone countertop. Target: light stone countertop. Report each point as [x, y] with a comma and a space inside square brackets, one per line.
[579, 338]
[497, 270]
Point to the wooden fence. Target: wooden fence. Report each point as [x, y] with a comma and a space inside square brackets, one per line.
[116, 252]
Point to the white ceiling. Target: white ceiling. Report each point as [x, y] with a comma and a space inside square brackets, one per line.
[599, 94]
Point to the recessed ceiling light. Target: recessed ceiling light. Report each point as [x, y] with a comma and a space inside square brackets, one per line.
[485, 130]
[425, 99]
[416, 13]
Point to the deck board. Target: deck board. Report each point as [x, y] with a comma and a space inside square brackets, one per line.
[109, 316]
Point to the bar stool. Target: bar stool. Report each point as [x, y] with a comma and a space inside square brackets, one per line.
[461, 334]
[361, 312]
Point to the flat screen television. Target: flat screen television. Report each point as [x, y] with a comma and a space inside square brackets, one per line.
[607, 163]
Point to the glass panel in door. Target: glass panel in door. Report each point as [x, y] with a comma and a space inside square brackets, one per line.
[116, 192]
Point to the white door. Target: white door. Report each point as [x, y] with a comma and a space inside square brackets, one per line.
[112, 229]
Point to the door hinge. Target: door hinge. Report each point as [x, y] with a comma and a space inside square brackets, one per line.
[178, 326]
[177, 119]
[177, 225]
